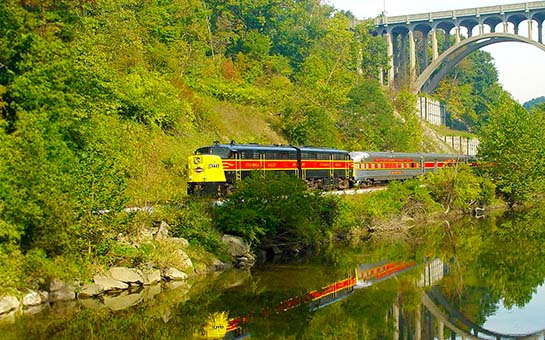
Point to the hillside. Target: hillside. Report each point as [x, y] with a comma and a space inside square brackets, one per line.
[102, 101]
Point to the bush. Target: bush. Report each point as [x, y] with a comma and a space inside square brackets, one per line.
[276, 210]
[192, 220]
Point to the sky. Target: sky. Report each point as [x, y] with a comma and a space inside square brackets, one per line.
[521, 67]
[524, 320]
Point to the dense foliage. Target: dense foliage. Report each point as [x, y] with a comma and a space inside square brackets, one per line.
[534, 102]
[276, 211]
[469, 91]
[279, 211]
[101, 102]
[512, 151]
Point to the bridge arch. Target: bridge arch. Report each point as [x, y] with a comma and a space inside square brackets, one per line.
[429, 79]
[453, 319]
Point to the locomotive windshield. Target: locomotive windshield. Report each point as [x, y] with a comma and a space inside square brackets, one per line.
[214, 150]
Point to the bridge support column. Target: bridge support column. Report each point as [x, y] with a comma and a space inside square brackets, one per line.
[530, 29]
[396, 321]
[505, 27]
[403, 55]
[446, 45]
[457, 34]
[435, 50]
[425, 57]
[412, 58]
[391, 70]
[441, 331]
[396, 54]
[481, 29]
[418, 324]
[540, 32]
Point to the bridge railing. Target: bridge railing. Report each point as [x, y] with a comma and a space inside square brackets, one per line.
[499, 9]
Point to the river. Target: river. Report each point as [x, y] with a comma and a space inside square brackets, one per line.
[474, 278]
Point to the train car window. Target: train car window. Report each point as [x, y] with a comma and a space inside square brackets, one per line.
[308, 155]
[218, 151]
[323, 156]
[270, 155]
[286, 155]
[202, 151]
[249, 155]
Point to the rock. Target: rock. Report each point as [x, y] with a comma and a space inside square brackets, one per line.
[64, 294]
[44, 296]
[109, 284]
[90, 290]
[32, 299]
[219, 266]
[173, 274]
[123, 300]
[32, 310]
[151, 277]
[8, 317]
[9, 303]
[162, 232]
[235, 245]
[185, 260]
[126, 275]
[56, 284]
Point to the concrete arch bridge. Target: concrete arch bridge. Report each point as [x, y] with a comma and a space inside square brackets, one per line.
[462, 31]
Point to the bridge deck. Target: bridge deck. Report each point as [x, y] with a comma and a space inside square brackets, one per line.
[458, 13]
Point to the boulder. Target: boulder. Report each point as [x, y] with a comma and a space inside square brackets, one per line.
[44, 296]
[173, 274]
[33, 310]
[56, 284]
[219, 266]
[126, 275]
[66, 293]
[90, 290]
[9, 303]
[235, 245]
[109, 284]
[32, 298]
[151, 277]
[186, 262]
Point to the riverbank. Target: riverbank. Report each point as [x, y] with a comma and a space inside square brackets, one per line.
[119, 287]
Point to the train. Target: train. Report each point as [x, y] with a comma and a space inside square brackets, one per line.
[214, 169]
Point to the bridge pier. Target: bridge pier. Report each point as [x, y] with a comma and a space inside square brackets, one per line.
[391, 69]
[540, 32]
[412, 57]
[457, 34]
[435, 50]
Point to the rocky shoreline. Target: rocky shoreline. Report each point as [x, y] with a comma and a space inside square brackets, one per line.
[121, 287]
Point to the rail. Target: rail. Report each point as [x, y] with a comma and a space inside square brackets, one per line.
[457, 13]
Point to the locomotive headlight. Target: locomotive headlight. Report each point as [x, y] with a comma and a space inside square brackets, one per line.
[197, 160]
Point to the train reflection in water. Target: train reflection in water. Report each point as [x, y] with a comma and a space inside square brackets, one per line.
[218, 326]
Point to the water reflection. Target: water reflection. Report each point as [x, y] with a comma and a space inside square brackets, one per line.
[471, 279]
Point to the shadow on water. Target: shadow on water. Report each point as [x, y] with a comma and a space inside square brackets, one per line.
[446, 280]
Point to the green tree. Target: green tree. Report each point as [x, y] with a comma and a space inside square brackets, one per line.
[512, 151]
[275, 210]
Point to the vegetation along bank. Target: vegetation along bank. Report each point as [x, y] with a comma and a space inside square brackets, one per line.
[101, 102]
